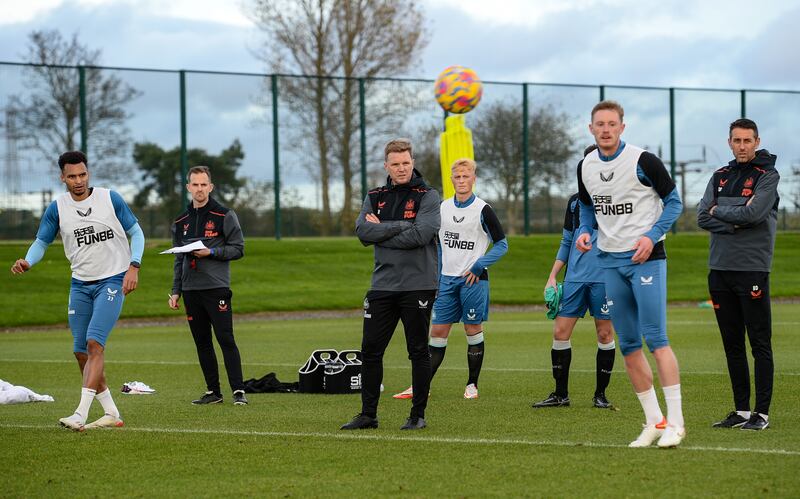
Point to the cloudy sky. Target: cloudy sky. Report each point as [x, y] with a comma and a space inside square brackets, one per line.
[717, 43]
[712, 43]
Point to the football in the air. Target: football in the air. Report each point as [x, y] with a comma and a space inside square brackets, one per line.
[458, 89]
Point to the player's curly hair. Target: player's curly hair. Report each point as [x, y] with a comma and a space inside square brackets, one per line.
[72, 158]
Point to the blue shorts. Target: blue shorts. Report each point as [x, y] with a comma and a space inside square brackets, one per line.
[637, 297]
[578, 297]
[94, 308]
[457, 302]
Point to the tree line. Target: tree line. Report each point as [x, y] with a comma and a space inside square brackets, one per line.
[347, 38]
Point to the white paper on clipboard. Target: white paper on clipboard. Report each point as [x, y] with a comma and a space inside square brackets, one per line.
[197, 245]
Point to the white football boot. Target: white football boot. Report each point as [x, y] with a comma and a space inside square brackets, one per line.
[672, 437]
[73, 422]
[471, 391]
[408, 393]
[105, 421]
[650, 433]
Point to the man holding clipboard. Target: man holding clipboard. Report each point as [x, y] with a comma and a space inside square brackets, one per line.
[203, 277]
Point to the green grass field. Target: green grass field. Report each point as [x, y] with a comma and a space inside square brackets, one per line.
[289, 445]
[334, 273]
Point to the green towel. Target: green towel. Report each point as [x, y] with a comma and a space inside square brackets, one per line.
[552, 297]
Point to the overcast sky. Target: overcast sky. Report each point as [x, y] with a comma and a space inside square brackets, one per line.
[711, 43]
[718, 43]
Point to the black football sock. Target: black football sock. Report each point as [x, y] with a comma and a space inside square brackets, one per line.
[474, 357]
[605, 364]
[561, 355]
[437, 347]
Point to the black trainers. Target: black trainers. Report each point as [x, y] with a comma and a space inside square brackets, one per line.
[756, 423]
[601, 402]
[360, 422]
[732, 420]
[414, 423]
[208, 398]
[553, 400]
[239, 398]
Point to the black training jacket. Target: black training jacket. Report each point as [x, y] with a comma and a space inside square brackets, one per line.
[218, 228]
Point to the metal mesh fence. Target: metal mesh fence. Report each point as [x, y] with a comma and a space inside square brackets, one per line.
[303, 150]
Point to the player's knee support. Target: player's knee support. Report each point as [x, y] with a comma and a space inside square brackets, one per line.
[561, 344]
[475, 339]
[438, 342]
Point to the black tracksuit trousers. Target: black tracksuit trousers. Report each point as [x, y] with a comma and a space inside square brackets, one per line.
[382, 311]
[204, 309]
[741, 303]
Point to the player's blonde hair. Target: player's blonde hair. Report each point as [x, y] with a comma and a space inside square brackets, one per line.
[464, 163]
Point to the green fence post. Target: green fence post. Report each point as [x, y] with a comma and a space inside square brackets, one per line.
[82, 105]
[276, 157]
[363, 132]
[743, 100]
[672, 162]
[783, 213]
[602, 92]
[525, 161]
[184, 157]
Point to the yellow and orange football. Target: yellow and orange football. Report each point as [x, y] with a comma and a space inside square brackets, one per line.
[458, 89]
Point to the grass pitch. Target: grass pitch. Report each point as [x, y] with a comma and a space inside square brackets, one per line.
[289, 445]
[334, 273]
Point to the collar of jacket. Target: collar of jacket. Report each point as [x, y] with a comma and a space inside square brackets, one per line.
[416, 181]
[763, 159]
[212, 203]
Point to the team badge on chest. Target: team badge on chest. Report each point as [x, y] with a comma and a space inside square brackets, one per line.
[409, 210]
[211, 229]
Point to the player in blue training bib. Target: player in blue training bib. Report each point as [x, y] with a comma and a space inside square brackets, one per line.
[468, 227]
[94, 224]
[583, 290]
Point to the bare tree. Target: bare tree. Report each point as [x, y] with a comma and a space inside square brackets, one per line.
[49, 114]
[498, 150]
[339, 38]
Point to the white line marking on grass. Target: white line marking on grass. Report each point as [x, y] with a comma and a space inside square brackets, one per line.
[710, 322]
[395, 438]
[283, 364]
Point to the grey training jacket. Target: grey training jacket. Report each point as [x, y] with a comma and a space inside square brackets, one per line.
[406, 257]
[744, 223]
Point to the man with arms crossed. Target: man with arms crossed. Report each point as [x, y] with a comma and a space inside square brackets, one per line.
[469, 224]
[204, 279]
[630, 195]
[740, 209]
[401, 219]
[93, 223]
